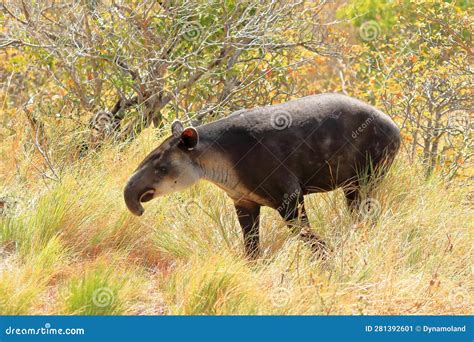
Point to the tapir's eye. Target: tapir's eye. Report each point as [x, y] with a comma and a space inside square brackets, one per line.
[162, 169]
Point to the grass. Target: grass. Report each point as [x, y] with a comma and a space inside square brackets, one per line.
[73, 248]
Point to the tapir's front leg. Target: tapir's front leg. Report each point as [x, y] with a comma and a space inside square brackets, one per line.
[249, 219]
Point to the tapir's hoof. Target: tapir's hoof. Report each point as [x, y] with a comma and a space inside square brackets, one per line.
[318, 246]
[320, 249]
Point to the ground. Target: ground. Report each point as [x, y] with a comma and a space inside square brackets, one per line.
[71, 247]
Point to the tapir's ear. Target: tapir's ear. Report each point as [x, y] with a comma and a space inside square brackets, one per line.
[190, 137]
[177, 128]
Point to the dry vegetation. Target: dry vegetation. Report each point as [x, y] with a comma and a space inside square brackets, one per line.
[88, 88]
[73, 248]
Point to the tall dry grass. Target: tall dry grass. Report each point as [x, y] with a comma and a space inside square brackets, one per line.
[71, 247]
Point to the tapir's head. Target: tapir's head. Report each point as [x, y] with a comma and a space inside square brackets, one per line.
[168, 168]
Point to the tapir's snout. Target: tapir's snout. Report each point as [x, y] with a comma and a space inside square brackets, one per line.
[135, 194]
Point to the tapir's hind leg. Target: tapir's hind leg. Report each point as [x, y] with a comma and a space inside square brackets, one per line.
[352, 193]
[368, 180]
[293, 212]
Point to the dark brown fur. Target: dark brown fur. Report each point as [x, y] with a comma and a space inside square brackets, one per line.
[324, 144]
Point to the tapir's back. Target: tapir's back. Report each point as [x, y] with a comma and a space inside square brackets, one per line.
[291, 116]
[320, 140]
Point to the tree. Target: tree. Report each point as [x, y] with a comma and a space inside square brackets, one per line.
[143, 61]
[420, 72]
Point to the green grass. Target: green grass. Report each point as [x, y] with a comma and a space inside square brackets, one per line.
[73, 244]
[101, 289]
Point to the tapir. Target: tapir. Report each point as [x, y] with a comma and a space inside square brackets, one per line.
[273, 156]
